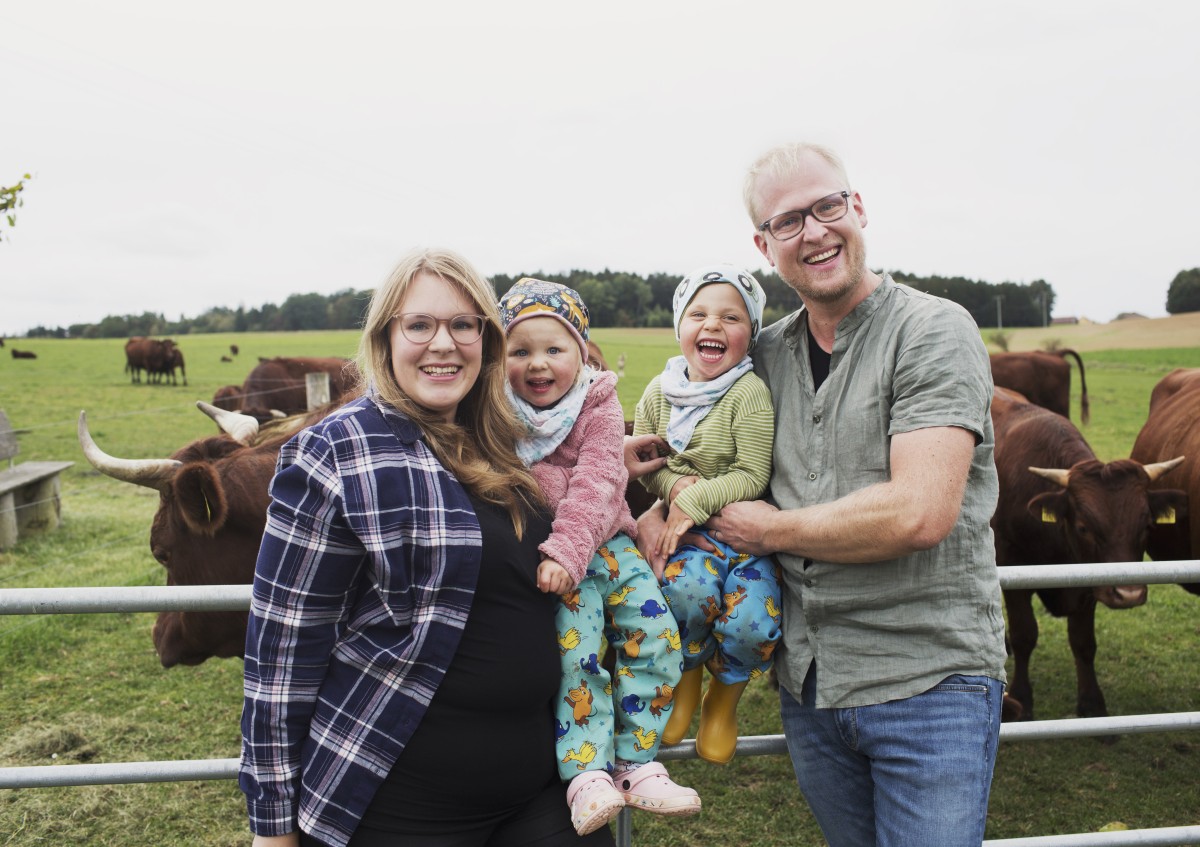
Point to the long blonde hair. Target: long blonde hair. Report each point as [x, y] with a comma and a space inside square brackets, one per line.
[480, 447]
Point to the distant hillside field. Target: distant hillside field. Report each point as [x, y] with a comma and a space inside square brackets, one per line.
[1135, 333]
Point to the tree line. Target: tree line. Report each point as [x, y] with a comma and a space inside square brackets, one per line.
[614, 298]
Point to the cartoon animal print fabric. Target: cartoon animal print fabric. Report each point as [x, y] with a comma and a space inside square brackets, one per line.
[727, 609]
[600, 719]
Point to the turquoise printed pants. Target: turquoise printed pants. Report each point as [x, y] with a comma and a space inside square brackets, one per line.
[599, 719]
[727, 608]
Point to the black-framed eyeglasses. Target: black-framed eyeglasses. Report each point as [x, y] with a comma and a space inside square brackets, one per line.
[420, 329]
[787, 225]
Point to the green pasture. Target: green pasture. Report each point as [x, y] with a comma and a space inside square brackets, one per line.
[88, 688]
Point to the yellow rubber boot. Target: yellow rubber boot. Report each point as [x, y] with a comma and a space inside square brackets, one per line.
[683, 706]
[716, 740]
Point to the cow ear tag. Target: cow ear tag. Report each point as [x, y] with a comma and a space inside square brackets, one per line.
[1048, 516]
[1166, 517]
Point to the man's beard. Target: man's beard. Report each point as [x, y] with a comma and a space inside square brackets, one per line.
[825, 295]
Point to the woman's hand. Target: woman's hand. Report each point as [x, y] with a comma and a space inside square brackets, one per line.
[643, 454]
[292, 839]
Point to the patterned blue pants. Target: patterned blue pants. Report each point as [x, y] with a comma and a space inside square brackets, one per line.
[599, 719]
[727, 608]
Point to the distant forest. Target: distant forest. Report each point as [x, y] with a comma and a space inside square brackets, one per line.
[614, 298]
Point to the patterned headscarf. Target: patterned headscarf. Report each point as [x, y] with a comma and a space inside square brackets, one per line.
[535, 298]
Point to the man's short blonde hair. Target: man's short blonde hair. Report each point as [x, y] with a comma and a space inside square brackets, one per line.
[780, 162]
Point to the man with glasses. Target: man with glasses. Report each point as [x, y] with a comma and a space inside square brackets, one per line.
[892, 660]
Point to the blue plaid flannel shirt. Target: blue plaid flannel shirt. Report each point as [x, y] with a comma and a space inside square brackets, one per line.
[364, 580]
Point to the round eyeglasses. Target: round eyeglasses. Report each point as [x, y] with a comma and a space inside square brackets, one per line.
[420, 329]
[789, 224]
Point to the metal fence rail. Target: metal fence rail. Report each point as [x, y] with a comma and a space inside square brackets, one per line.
[236, 598]
[57, 776]
[213, 598]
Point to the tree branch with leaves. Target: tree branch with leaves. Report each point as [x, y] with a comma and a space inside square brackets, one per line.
[11, 200]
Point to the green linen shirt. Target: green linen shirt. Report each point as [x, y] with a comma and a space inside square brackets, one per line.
[902, 361]
[730, 449]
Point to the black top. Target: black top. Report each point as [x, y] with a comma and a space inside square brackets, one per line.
[486, 744]
[819, 360]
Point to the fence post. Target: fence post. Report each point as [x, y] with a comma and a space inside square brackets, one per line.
[317, 387]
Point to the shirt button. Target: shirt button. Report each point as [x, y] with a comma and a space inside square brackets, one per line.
[813, 629]
[808, 583]
[812, 475]
[816, 418]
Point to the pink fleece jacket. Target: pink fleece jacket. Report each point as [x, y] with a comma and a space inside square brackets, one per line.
[584, 481]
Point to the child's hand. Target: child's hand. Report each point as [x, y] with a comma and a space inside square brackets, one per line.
[678, 523]
[680, 484]
[553, 578]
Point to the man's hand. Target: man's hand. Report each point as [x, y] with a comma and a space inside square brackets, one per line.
[742, 525]
[553, 578]
[643, 454]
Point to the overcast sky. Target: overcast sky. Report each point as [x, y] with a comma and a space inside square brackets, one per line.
[233, 152]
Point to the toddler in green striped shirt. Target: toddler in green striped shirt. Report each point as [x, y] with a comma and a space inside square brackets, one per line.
[717, 418]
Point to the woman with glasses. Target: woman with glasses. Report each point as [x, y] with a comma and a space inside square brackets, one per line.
[395, 600]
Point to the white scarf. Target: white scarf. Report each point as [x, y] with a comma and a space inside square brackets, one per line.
[690, 401]
[548, 428]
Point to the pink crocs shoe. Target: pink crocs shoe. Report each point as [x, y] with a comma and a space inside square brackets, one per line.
[594, 801]
[649, 787]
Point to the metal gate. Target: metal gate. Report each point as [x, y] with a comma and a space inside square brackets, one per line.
[214, 598]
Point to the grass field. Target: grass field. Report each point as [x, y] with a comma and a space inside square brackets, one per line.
[88, 688]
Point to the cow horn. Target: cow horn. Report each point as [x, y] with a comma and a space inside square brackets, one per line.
[1055, 475]
[242, 428]
[1159, 468]
[151, 473]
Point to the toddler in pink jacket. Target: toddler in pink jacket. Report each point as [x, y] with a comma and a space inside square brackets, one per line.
[608, 728]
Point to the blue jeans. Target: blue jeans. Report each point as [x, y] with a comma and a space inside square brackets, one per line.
[912, 771]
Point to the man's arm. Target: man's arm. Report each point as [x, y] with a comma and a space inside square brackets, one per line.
[913, 511]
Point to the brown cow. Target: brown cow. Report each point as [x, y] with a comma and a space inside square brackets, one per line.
[1059, 505]
[228, 398]
[157, 357]
[137, 350]
[211, 513]
[23, 354]
[1044, 378]
[172, 359]
[278, 384]
[233, 348]
[1171, 430]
